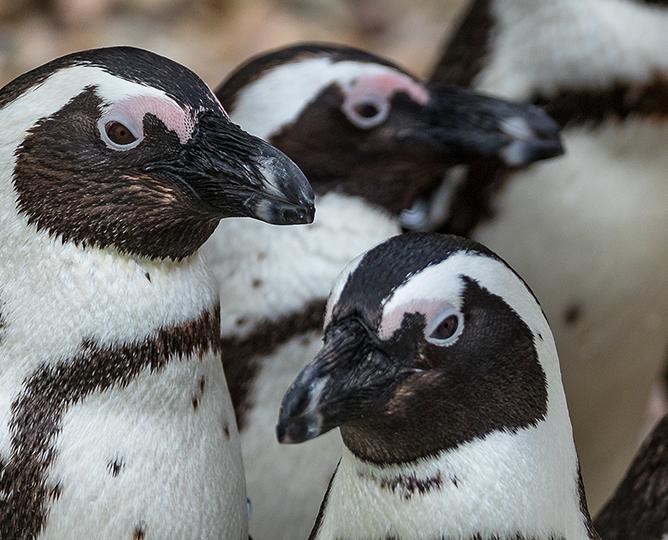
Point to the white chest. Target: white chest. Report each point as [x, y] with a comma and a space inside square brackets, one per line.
[114, 412]
[501, 486]
[159, 456]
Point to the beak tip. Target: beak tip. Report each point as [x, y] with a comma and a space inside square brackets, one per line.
[310, 213]
[291, 432]
[533, 138]
[285, 196]
[296, 426]
[282, 434]
[520, 152]
[288, 213]
[306, 201]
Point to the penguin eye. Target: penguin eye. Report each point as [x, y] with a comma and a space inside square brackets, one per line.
[119, 134]
[366, 110]
[367, 113]
[446, 328]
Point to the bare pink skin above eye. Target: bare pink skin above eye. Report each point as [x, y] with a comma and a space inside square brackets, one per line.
[385, 86]
[392, 320]
[174, 117]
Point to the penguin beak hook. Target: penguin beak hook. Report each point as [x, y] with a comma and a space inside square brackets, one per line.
[470, 126]
[239, 175]
[349, 378]
[285, 196]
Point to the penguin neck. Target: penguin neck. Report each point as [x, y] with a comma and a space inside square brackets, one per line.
[270, 272]
[622, 38]
[55, 294]
[506, 484]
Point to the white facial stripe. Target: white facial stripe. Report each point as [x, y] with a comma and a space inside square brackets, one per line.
[278, 97]
[540, 46]
[443, 282]
[339, 285]
[54, 93]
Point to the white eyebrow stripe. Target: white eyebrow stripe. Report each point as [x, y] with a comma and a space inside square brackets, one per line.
[339, 285]
[279, 95]
[438, 281]
[52, 94]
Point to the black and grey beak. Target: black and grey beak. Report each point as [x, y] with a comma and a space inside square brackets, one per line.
[349, 379]
[239, 175]
[465, 126]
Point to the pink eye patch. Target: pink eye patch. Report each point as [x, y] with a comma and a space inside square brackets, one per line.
[135, 108]
[392, 320]
[383, 87]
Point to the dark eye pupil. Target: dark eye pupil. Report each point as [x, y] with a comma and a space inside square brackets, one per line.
[119, 134]
[366, 110]
[447, 328]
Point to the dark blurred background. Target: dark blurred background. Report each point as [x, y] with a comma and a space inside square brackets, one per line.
[213, 36]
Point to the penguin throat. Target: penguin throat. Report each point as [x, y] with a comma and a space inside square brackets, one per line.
[490, 488]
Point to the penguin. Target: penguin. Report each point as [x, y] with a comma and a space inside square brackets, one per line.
[370, 137]
[440, 370]
[587, 231]
[116, 165]
[639, 508]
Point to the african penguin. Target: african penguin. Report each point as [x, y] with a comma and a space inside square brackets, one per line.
[587, 231]
[370, 137]
[639, 508]
[441, 371]
[115, 418]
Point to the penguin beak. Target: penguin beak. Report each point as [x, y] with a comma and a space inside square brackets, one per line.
[238, 175]
[349, 379]
[462, 126]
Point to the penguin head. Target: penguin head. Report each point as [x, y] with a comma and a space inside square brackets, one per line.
[123, 148]
[360, 125]
[430, 341]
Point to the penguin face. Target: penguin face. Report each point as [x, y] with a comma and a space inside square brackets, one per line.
[429, 343]
[358, 124]
[124, 148]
